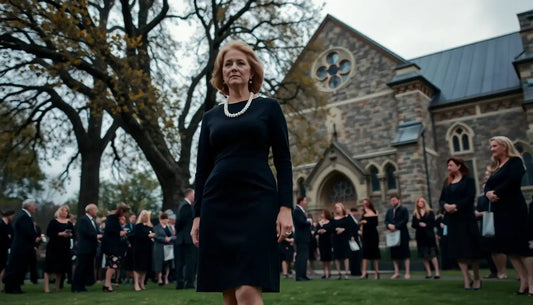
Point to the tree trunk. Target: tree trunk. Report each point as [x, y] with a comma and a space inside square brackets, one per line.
[89, 178]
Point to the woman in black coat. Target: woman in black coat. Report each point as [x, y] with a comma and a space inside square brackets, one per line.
[342, 234]
[424, 224]
[142, 249]
[6, 234]
[58, 257]
[509, 206]
[324, 232]
[370, 238]
[457, 200]
[112, 246]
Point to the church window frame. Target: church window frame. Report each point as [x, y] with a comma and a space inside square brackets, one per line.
[333, 68]
[391, 178]
[526, 152]
[460, 139]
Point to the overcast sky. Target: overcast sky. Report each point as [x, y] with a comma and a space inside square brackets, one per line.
[412, 28]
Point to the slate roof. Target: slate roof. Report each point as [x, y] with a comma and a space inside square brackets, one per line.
[474, 70]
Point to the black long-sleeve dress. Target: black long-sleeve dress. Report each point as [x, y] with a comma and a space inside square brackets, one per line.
[111, 241]
[426, 242]
[58, 257]
[6, 233]
[237, 197]
[341, 245]
[142, 248]
[463, 233]
[324, 242]
[370, 238]
[510, 212]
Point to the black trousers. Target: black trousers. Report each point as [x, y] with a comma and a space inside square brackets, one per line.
[16, 269]
[84, 272]
[355, 262]
[186, 256]
[300, 264]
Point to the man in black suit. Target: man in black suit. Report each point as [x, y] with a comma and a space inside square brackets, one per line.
[186, 252]
[87, 234]
[302, 238]
[24, 239]
[396, 220]
[355, 256]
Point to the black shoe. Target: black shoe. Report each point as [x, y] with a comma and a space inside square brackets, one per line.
[436, 277]
[520, 292]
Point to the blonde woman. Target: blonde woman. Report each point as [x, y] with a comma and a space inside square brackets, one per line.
[509, 206]
[58, 258]
[424, 224]
[343, 231]
[143, 242]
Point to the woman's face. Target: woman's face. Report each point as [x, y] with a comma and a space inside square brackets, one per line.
[236, 71]
[453, 168]
[338, 209]
[163, 222]
[365, 203]
[497, 150]
[420, 204]
[63, 213]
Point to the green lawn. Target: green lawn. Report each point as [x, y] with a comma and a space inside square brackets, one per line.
[446, 291]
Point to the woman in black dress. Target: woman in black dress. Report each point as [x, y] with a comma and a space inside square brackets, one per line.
[244, 211]
[424, 224]
[370, 238]
[112, 246]
[142, 249]
[58, 258]
[509, 206]
[286, 255]
[341, 237]
[457, 200]
[324, 232]
[6, 233]
[163, 250]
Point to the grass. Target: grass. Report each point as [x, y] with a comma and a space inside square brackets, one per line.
[447, 290]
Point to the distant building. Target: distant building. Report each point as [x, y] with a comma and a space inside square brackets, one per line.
[393, 122]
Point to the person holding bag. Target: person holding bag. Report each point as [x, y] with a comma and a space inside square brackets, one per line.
[510, 209]
[457, 199]
[396, 220]
[163, 252]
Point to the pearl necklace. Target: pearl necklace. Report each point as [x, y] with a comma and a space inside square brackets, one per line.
[234, 115]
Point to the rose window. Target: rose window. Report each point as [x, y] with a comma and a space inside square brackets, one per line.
[333, 68]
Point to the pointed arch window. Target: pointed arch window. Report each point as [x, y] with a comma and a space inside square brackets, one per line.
[527, 179]
[390, 174]
[301, 187]
[461, 140]
[376, 187]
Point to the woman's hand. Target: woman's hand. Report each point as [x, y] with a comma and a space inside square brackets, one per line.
[422, 224]
[284, 223]
[340, 230]
[168, 239]
[195, 231]
[321, 231]
[151, 235]
[123, 233]
[450, 208]
[363, 221]
[491, 196]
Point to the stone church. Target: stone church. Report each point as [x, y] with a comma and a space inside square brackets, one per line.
[393, 122]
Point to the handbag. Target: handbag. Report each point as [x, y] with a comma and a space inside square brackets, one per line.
[393, 239]
[487, 226]
[168, 252]
[354, 246]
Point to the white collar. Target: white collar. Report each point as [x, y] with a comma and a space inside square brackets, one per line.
[301, 208]
[27, 212]
[187, 200]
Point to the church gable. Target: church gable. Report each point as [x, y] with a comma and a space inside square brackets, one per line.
[345, 64]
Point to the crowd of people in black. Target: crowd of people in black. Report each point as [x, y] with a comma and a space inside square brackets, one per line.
[139, 247]
[110, 249]
[453, 233]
